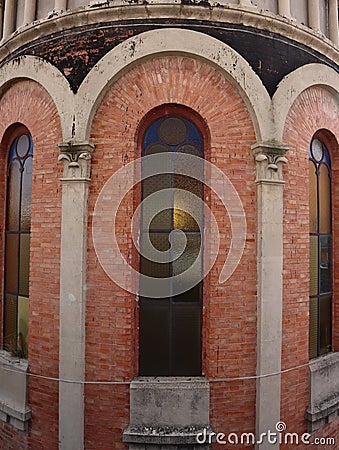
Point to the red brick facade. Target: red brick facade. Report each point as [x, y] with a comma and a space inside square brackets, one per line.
[28, 104]
[229, 331]
[313, 111]
[229, 328]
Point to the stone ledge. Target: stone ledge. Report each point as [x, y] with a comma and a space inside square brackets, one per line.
[168, 411]
[324, 391]
[15, 418]
[171, 402]
[164, 435]
[13, 391]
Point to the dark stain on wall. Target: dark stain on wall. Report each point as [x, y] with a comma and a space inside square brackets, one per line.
[75, 52]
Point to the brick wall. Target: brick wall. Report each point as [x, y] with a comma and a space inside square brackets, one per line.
[229, 327]
[29, 104]
[229, 315]
[313, 110]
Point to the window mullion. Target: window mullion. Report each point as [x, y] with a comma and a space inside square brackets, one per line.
[319, 256]
[171, 352]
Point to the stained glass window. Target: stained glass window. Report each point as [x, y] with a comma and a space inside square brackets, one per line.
[17, 245]
[170, 327]
[320, 334]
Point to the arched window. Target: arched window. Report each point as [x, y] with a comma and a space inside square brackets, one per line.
[170, 327]
[17, 245]
[320, 335]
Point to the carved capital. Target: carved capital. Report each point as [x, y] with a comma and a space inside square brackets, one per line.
[270, 158]
[77, 159]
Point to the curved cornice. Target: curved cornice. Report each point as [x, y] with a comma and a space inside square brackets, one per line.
[168, 41]
[297, 82]
[43, 73]
[231, 14]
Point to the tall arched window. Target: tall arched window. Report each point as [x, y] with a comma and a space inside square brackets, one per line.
[320, 250]
[17, 245]
[170, 327]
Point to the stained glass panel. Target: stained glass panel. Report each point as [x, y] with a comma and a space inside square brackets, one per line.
[313, 327]
[320, 321]
[154, 319]
[10, 325]
[324, 199]
[172, 131]
[170, 328]
[13, 196]
[24, 264]
[313, 193]
[186, 339]
[325, 243]
[18, 219]
[26, 197]
[23, 313]
[22, 146]
[325, 324]
[314, 265]
[12, 254]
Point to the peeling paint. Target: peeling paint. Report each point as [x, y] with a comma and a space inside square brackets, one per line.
[77, 51]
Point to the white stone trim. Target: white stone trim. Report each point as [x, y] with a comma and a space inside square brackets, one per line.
[323, 405]
[269, 158]
[76, 158]
[314, 14]
[14, 408]
[1, 18]
[161, 411]
[29, 11]
[174, 41]
[43, 73]
[284, 7]
[60, 5]
[121, 10]
[333, 21]
[9, 18]
[294, 84]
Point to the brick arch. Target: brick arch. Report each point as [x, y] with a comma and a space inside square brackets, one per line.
[177, 80]
[48, 77]
[313, 111]
[204, 89]
[27, 103]
[169, 41]
[292, 86]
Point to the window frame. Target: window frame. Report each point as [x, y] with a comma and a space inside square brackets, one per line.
[164, 111]
[16, 349]
[317, 163]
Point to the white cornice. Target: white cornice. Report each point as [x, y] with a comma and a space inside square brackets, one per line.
[230, 14]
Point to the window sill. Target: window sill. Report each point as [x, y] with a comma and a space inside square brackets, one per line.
[13, 391]
[166, 435]
[167, 410]
[323, 391]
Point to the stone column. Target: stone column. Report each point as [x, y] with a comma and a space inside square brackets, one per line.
[75, 184]
[245, 3]
[333, 21]
[1, 17]
[29, 11]
[284, 8]
[314, 14]
[60, 5]
[9, 18]
[269, 161]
